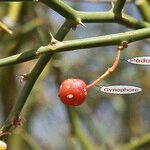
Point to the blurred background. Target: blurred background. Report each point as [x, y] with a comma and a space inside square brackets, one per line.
[104, 121]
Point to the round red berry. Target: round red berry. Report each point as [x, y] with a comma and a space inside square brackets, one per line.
[72, 92]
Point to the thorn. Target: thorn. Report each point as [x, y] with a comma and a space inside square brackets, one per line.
[53, 40]
[23, 77]
[81, 23]
[78, 22]
[6, 28]
[112, 4]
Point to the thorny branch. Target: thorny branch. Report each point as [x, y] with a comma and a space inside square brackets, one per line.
[107, 40]
[74, 18]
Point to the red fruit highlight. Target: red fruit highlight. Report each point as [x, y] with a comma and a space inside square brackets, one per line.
[73, 92]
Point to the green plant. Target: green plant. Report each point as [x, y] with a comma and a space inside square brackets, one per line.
[73, 19]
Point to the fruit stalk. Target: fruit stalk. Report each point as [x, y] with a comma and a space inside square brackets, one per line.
[109, 70]
[73, 92]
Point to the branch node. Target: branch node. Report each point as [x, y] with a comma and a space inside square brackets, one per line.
[123, 45]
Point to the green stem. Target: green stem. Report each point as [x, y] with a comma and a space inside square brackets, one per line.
[107, 40]
[16, 110]
[18, 58]
[137, 143]
[13, 14]
[89, 17]
[132, 22]
[37, 70]
[77, 131]
[62, 8]
[14, 11]
[69, 13]
[109, 17]
[30, 141]
[144, 8]
[112, 39]
[118, 7]
[75, 16]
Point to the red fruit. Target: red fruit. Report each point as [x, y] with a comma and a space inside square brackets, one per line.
[73, 92]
